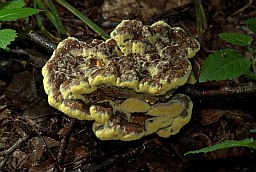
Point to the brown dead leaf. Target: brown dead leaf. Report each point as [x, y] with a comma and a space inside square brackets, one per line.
[46, 166]
[37, 58]
[142, 10]
[22, 90]
[38, 148]
[19, 159]
[80, 153]
[210, 116]
[215, 126]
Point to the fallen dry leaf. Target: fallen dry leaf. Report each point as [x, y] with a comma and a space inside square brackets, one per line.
[142, 10]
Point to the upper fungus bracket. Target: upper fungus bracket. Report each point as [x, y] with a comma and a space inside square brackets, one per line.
[126, 83]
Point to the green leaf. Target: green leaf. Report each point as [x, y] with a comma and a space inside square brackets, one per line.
[249, 142]
[236, 38]
[85, 19]
[12, 4]
[15, 13]
[6, 36]
[252, 24]
[253, 130]
[224, 64]
[250, 75]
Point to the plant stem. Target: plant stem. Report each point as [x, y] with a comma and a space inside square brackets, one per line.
[85, 19]
[37, 3]
[200, 17]
[40, 4]
[251, 75]
[52, 16]
[57, 19]
[252, 58]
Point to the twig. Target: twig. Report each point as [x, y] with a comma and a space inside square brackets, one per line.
[228, 91]
[242, 9]
[7, 153]
[34, 126]
[111, 161]
[41, 41]
[64, 141]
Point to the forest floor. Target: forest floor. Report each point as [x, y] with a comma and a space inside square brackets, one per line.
[36, 137]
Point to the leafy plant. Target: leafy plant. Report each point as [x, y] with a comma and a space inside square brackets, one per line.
[11, 11]
[85, 19]
[228, 63]
[201, 21]
[54, 18]
[248, 142]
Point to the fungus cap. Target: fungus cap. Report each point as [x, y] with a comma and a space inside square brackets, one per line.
[124, 84]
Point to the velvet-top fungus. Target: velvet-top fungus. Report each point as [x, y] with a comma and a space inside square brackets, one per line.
[126, 83]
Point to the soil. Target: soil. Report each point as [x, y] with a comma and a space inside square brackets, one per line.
[37, 137]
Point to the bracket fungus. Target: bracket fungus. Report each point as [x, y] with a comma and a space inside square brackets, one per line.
[126, 83]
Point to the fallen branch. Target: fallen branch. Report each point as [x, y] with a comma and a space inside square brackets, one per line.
[228, 91]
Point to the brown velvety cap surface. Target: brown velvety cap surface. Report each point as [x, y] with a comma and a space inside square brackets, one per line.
[137, 69]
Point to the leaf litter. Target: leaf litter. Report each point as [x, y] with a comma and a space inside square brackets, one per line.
[33, 143]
